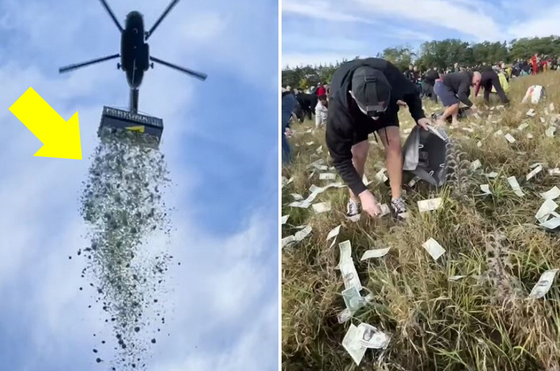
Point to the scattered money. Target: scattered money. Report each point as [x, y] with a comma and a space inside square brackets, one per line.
[515, 186]
[534, 172]
[499, 132]
[380, 176]
[285, 218]
[545, 210]
[365, 180]
[544, 284]
[347, 268]
[552, 223]
[429, 205]
[384, 210]
[322, 207]
[333, 233]
[475, 165]
[550, 131]
[455, 278]
[486, 189]
[509, 138]
[353, 299]
[434, 248]
[555, 171]
[522, 126]
[352, 344]
[376, 253]
[479, 144]
[531, 113]
[492, 174]
[327, 176]
[297, 197]
[551, 194]
[530, 136]
[372, 338]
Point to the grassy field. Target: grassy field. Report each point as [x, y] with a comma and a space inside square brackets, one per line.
[483, 321]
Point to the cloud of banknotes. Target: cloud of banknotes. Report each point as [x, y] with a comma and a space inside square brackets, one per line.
[122, 203]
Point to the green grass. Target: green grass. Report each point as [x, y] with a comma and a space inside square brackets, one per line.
[482, 322]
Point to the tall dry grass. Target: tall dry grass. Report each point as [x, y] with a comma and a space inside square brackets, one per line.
[482, 322]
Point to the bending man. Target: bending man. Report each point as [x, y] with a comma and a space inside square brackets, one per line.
[488, 79]
[366, 95]
[454, 88]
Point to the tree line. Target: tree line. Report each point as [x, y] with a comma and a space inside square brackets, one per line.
[439, 54]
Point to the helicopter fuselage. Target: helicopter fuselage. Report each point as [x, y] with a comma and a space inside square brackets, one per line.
[135, 52]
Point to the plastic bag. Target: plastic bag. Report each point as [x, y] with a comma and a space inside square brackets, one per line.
[425, 154]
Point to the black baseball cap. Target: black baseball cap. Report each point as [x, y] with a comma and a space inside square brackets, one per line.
[371, 90]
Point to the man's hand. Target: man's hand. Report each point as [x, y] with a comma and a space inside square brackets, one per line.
[369, 203]
[402, 103]
[424, 123]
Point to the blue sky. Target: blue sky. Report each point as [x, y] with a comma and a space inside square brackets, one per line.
[221, 142]
[323, 31]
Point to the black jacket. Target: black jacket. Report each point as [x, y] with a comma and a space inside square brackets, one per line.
[490, 78]
[430, 77]
[343, 121]
[460, 83]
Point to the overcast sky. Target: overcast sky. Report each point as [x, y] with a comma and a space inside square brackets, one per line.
[221, 142]
[320, 31]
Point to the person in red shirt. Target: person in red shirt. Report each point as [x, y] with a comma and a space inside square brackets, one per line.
[534, 63]
[320, 90]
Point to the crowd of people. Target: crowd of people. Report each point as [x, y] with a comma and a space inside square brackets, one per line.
[364, 97]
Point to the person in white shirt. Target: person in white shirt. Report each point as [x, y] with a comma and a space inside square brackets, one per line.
[321, 110]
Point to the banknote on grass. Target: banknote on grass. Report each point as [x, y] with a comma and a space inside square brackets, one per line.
[353, 345]
[545, 210]
[322, 207]
[376, 253]
[551, 194]
[515, 186]
[353, 299]
[534, 172]
[433, 248]
[372, 338]
[543, 286]
[429, 205]
[346, 266]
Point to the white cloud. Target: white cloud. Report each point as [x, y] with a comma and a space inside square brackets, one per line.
[320, 10]
[539, 24]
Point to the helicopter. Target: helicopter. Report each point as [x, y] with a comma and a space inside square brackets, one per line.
[135, 52]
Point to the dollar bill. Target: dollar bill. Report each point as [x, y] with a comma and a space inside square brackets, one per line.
[509, 138]
[522, 126]
[534, 172]
[377, 253]
[545, 210]
[530, 136]
[350, 275]
[515, 186]
[285, 218]
[334, 232]
[550, 131]
[551, 194]
[544, 284]
[297, 197]
[345, 251]
[552, 223]
[322, 207]
[428, 205]
[485, 188]
[433, 248]
[531, 113]
[352, 344]
[455, 278]
[380, 176]
[555, 171]
[327, 176]
[303, 233]
[353, 299]
[372, 338]
[475, 165]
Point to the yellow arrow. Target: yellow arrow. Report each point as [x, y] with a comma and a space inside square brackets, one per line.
[60, 138]
[139, 128]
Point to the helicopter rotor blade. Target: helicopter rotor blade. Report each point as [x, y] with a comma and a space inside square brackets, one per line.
[198, 75]
[164, 14]
[106, 6]
[80, 65]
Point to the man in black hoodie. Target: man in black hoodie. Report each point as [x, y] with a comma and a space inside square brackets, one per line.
[365, 98]
[489, 78]
[453, 88]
